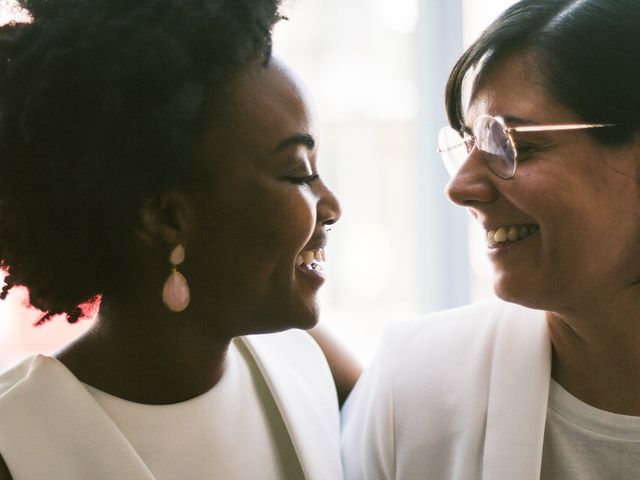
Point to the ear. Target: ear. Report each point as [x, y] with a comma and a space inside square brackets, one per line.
[166, 219]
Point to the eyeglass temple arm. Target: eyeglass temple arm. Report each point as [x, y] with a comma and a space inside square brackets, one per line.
[448, 149]
[548, 128]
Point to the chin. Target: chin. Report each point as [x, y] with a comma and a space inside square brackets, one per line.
[520, 294]
[308, 323]
[303, 317]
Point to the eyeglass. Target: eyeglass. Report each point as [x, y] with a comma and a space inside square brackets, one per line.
[495, 140]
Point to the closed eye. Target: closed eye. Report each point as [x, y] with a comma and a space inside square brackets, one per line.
[304, 180]
[527, 149]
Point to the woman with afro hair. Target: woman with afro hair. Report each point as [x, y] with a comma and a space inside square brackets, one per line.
[156, 159]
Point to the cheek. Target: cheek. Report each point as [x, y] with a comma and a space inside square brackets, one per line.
[282, 223]
[293, 219]
[261, 226]
[583, 220]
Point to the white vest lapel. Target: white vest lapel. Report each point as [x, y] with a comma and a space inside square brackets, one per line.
[51, 427]
[518, 395]
[305, 396]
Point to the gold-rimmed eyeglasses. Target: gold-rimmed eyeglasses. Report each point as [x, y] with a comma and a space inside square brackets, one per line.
[495, 141]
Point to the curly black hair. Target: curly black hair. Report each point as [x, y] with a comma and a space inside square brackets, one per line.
[103, 102]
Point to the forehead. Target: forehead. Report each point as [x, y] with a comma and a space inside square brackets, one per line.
[264, 105]
[267, 101]
[513, 88]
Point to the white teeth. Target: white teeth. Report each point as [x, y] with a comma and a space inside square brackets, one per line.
[308, 257]
[511, 233]
[500, 235]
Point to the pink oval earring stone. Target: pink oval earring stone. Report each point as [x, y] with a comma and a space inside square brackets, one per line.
[177, 255]
[175, 293]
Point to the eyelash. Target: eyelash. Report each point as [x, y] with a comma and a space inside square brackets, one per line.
[306, 180]
[526, 149]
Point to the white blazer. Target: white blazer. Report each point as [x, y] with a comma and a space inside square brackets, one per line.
[52, 428]
[456, 395]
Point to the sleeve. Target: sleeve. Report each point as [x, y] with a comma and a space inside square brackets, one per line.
[368, 436]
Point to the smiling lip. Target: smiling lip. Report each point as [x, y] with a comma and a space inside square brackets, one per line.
[505, 235]
[313, 275]
[496, 252]
[310, 262]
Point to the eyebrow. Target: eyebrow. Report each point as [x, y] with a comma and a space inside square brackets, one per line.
[518, 121]
[304, 139]
[510, 120]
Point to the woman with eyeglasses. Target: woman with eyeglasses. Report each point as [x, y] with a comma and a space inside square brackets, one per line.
[157, 159]
[544, 153]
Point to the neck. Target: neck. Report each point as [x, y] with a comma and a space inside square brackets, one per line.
[596, 356]
[155, 359]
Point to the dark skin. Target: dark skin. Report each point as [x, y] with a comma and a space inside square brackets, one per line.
[242, 228]
[4, 471]
[142, 352]
[133, 359]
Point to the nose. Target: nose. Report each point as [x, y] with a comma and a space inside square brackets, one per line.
[329, 210]
[473, 183]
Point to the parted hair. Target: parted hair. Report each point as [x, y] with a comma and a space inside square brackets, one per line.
[102, 103]
[587, 51]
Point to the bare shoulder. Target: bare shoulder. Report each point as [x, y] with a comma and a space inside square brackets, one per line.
[4, 470]
[344, 366]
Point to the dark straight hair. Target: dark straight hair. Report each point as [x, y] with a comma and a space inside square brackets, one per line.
[587, 52]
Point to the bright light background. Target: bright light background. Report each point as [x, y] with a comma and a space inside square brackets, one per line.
[376, 71]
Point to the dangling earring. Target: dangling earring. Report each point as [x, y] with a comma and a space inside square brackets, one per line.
[175, 293]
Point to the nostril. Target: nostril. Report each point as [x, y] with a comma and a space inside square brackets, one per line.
[470, 187]
[328, 207]
[451, 190]
[333, 212]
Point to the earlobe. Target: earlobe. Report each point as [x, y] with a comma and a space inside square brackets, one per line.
[165, 219]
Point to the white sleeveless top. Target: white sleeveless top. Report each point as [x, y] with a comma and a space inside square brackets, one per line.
[233, 431]
[45, 409]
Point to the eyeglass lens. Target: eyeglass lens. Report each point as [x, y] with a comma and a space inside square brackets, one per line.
[453, 149]
[492, 140]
